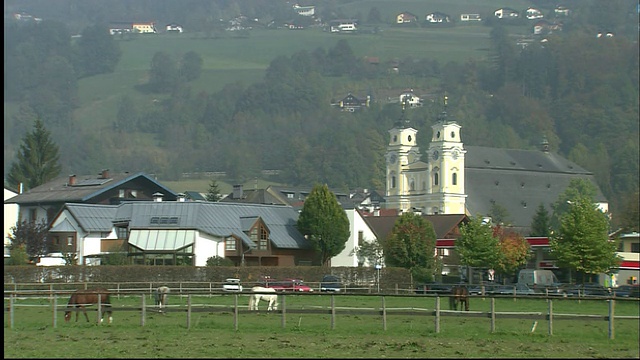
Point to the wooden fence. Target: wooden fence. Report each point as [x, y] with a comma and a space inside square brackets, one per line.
[383, 311]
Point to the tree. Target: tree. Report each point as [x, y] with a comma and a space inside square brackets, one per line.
[37, 160]
[477, 246]
[629, 218]
[411, 244]
[374, 16]
[514, 250]
[577, 188]
[98, 52]
[582, 241]
[163, 75]
[213, 194]
[541, 223]
[369, 252]
[498, 214]
[30, 236]
[324, 222]
[191, 66]
[219, 261]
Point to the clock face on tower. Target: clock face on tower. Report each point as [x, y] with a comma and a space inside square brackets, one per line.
[393, 158]
[435, 155]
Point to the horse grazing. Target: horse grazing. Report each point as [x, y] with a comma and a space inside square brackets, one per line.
[161, 296]
[83, 298]
[255, 298]
[459, 294]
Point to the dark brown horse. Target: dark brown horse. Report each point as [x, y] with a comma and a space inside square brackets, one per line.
[82, 298]
[459, 294]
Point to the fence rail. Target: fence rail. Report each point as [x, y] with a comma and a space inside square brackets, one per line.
[383, 311]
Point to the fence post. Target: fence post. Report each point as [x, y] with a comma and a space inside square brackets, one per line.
[99, 309]
[284, 310]
[612, 304]
[384, 315]
[550, 317]
[235, 311]
[118, 289]
[493, 314]
[333, 312]
[396, 288]
[55, 307]
[188, 309]
[143, 309]
[437, 314]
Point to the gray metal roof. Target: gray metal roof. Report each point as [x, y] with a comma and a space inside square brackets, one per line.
[518, 180]
[92, 217]
[64, 226]
[217, 218]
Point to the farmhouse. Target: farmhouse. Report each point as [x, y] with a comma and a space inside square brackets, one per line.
[533, 14]
[406, 18]
[173, 28]
[351, 103]
[343, 26]
[506, 13]
[437, 17]
[470, 17]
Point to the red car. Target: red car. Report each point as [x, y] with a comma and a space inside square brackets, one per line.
[288, 285]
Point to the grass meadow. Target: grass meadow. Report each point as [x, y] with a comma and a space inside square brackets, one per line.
[260, 335]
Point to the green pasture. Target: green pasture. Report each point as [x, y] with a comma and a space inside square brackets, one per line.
[212, 334]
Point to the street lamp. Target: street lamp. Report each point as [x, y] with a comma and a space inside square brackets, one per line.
[378, 267]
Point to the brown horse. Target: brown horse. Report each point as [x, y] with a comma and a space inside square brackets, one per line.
[460, 294]
[82, 298]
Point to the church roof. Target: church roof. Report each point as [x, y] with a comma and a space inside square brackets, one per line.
[517, 180]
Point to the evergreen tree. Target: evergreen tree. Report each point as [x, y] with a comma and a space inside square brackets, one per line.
[324, 222]
[411, 245]
[213, 194]
[37, 160]
[541, 224]
[582, 241]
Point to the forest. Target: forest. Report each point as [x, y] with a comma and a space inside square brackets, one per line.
[577, 90]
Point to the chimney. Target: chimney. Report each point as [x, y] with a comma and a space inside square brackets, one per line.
[376, 212]
[157, 197]
[72, 180]
[104, 174]
[181, 197]
[237, 191]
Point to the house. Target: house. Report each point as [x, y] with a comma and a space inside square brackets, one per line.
[544, 27]
[506, 13]
[410, 99]
[182, 232]
[406, 18]
[351, 103]
[343, 26]
[174, 28]
[304, 10]
[470, 17]
[533, 14]
[10, 216]
[43, 202]
[561, 10]
[629, 251]
[116, 28]
[359, 233]
[437, 17]
[144, 27]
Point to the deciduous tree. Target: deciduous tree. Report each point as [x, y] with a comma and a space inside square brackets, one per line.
[324, 222]
[477, 246]
[513, 250]
[30, 236]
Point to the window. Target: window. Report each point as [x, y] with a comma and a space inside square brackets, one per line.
[121, 193]
[635, 247]
[264, 239]
[33, 215]
[393, 182]
[69, 240]
[454, 180]
[360, 238]
[121, 232]
[412, 185]
[435, 179]
[230, 244]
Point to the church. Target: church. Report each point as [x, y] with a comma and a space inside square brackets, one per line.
[452, 178]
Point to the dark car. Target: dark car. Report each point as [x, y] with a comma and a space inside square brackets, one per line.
[434, 288]
[626, 291]
[588, 290]
[330, 283]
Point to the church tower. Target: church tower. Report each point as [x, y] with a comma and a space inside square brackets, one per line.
[406, 181]
[446, 168]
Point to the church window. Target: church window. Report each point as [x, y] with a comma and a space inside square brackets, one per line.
[453, 135]
[412, 185]
[435, 179]
[393, 182]
[454, 179]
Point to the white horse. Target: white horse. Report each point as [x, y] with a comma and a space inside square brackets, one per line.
[254, 298]
[161, 296]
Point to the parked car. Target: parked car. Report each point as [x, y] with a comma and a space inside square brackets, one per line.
[232, 284]
[330, 283]
[433, 288]
[517, 289]
[588, 289]
[626, 291]
[296, 285]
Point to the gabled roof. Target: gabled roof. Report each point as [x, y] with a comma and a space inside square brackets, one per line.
[443, 225]
[92, 217]
[86, 188]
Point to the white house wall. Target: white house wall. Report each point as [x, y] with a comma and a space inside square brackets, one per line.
[10, 217]
[356, 224]
[207, 246]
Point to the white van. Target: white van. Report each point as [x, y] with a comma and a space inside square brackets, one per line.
[537, 278]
